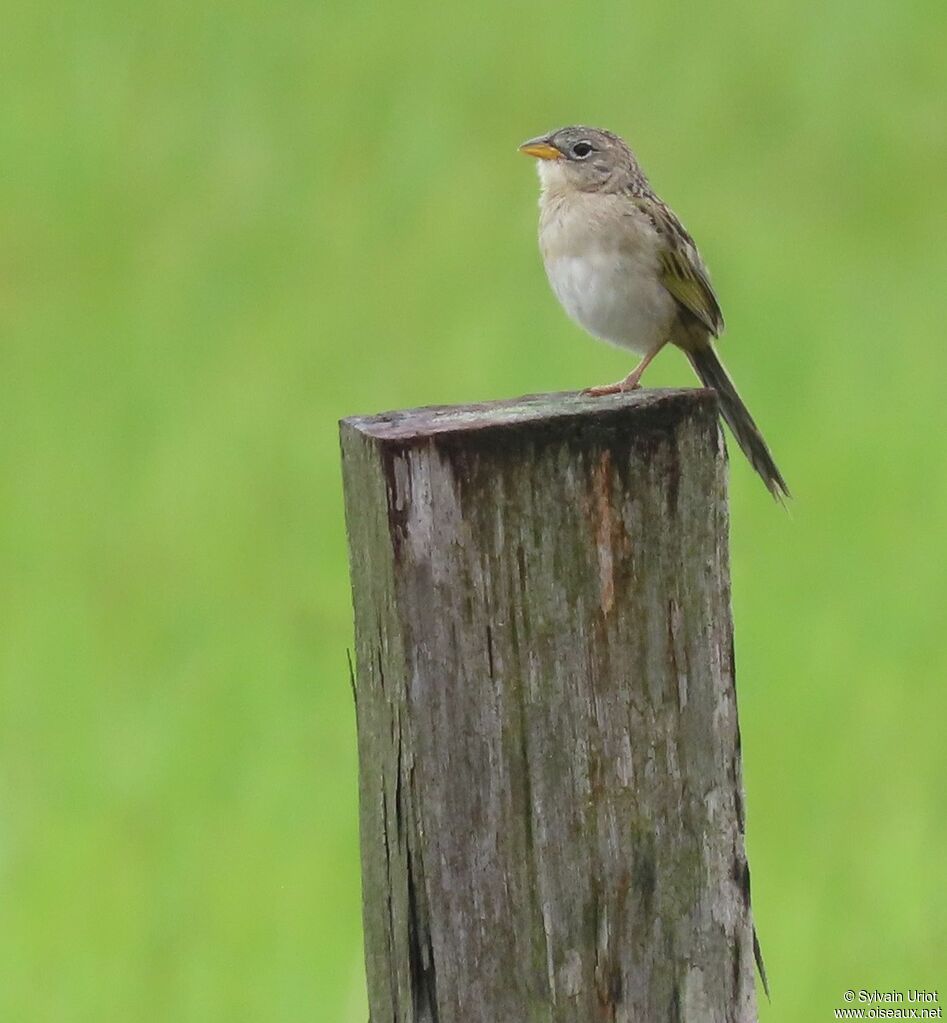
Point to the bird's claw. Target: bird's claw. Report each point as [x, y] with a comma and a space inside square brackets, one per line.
[619, 388]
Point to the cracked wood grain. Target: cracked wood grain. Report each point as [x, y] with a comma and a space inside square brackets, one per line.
[551, 794]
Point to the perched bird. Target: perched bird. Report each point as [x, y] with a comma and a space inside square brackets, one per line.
[624, 268]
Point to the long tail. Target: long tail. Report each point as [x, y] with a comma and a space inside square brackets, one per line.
[712, 374]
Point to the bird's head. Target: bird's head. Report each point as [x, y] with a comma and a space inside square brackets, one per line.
[577, 157]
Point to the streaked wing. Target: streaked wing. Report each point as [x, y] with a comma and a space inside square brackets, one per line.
[682, 270]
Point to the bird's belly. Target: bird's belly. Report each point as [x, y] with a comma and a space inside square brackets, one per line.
[618, 298]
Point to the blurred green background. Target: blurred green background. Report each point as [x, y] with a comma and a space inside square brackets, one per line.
[222, 227]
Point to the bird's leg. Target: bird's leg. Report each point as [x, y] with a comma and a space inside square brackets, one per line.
[631, 381]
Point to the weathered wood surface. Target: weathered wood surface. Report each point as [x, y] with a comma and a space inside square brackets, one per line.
[550, 782]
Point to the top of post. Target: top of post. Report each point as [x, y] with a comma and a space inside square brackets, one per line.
[556, 412]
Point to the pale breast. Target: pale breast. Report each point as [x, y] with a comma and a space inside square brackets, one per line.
[601, 260]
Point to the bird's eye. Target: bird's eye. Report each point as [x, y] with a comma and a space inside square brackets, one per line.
[581, 150]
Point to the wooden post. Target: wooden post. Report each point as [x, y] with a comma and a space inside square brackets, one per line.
[550, 776]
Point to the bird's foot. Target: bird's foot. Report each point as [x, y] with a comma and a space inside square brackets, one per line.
[628, 384]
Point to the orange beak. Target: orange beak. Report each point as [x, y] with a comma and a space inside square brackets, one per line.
[541, 148]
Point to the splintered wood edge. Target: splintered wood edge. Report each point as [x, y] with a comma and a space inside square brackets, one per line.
[558, 409]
